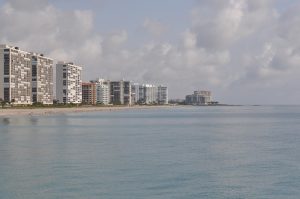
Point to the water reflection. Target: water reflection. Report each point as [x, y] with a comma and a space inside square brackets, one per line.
[5, 121]
[34, 121]
[14, 121]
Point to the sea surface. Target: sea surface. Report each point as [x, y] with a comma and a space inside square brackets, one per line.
[167, 153]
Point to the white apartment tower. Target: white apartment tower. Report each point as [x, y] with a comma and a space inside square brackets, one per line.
[15, 75]
[42, 79]
[150, 93]
[68, 83]
[162, 94]
[102, 90]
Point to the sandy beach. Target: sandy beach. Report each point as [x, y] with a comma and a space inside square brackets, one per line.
[48, 111]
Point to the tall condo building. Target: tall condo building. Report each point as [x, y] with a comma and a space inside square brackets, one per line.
[150, 94]
[141, 94]
[120, 92]
[89, 93]
[162, 94]
[68, 83]
[135, 92]
[42, 79]
[102, 91]
[199, 98]
[15, 75]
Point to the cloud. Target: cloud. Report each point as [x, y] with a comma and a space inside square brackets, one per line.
[47, 29]
[262, 45]
[27, 5]
[154, 27]
[240, 49]
[220, 25]
[114, 41]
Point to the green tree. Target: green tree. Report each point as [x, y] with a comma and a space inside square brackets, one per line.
[3, 103]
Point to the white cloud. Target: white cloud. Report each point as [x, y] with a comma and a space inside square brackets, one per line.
[240, 49]
[155, 27]
[115, 40]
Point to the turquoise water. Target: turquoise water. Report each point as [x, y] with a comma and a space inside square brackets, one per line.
[196, 152]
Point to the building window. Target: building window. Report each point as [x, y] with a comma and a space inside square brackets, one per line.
[34, 98]
[64, 75]
[6, 94]
[33, 89]
[6, 79]
[64, 91]
[6, 64]
[34, 71]
[64, 82]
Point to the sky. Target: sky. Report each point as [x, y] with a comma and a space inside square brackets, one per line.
[244, 51]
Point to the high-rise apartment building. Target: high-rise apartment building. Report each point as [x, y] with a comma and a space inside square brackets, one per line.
[199, 98]
[135, 93]
[120, 92]
[15, 75]
[150, 94]
[162, 94]
[42, 79]
[68, 83]
[102, 91]
[89, 93]
[141, 94]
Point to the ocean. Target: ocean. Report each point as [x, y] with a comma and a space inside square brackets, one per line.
[168, 153]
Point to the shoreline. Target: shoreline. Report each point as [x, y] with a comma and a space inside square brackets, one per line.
[15, 112]
[44, 111]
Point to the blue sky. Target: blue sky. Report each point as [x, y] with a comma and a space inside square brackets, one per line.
[244, 51]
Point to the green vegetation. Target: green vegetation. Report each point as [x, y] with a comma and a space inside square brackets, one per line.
[56, 104]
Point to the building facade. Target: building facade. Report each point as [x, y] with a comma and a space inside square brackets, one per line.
[199, 98]
[42, 79]
[162, 95]
[68, 83]
[137, 93]
[89, 93]
[150, 94]
[102, 89]
[15, 75]
[134, 93]
[120, 92]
